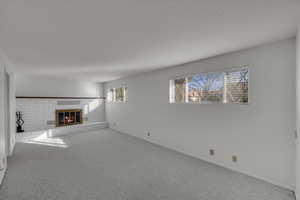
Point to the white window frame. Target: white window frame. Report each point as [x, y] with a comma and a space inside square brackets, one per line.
[113, 100]
[186, 76]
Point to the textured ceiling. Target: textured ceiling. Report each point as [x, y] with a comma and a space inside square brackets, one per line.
[101, 40]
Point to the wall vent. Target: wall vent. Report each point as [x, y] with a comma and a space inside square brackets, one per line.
[65, 103]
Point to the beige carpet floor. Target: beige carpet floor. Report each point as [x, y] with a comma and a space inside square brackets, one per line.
[107, 165]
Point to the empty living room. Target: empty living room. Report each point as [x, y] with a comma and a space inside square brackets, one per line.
[149, 100]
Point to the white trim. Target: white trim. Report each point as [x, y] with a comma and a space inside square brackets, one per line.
[225, 88]
[2, 125]
[218, 163]
[12, 109]
[211, 72]
[297, 155]
[113, 100]
[186, 100]
[266, 179]
[8, 68]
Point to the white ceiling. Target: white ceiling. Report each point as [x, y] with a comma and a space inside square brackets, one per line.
[101, 40]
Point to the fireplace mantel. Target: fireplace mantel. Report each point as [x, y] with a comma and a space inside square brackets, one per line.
[39, 97]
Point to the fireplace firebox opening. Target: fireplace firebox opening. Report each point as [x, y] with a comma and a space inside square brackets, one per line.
[68, 117]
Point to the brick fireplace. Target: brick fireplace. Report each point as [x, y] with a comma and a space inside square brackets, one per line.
[39, 113]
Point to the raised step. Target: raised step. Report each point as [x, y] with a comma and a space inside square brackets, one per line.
[61, 131]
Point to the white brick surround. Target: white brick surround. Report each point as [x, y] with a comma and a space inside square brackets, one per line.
[38, 113]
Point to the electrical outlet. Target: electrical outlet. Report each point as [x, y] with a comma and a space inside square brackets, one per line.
[212, 152]
[234, 159]
[148, 134]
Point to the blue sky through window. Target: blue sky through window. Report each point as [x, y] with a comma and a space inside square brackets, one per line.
[209, 82]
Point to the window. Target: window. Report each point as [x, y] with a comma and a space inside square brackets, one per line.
[236, 85]
[117, 94]
[206, 87]
[229, 86]
[180, 90]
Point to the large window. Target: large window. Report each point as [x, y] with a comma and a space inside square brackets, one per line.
[117, 94]
[230, 86]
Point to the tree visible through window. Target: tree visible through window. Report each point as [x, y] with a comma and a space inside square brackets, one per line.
[206, 87]
[217, 87]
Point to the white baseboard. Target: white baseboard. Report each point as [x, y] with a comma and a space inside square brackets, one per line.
[220, 163]
[266, 179]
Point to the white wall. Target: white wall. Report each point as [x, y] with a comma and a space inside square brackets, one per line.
[37, 86]
[38, 112]
[12, 106]
[261, 134]
[6, 68]
[3, 164]
[298, 116]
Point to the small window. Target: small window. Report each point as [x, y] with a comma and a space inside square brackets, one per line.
[117, 94]
[236, 85]
[229, 86]
[180, 90]
[206, 88]
[110, 95]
